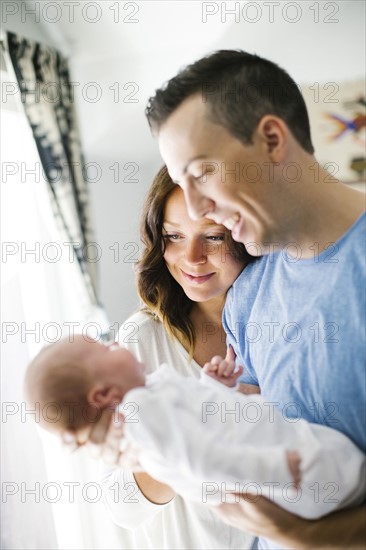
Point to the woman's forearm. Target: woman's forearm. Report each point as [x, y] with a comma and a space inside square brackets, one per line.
[126, 503]
[153, 490]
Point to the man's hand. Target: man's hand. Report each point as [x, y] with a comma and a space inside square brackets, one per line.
[256, 515]
[261, 517]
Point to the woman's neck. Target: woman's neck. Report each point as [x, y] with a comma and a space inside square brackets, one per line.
[210, 311]
[210, 335]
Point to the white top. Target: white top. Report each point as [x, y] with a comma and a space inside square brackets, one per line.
[208, 443]
[180, 524]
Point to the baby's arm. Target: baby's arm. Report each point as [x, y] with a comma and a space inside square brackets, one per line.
[223, 371]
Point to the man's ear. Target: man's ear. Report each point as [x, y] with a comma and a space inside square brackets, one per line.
[273, 134]
[105, 396]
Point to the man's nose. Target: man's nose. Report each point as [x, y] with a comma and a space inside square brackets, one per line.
[197, 204]
[111, 344]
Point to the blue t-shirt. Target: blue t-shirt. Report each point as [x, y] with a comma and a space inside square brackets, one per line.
[298, 328]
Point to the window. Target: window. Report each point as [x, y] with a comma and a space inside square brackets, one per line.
[51, 500]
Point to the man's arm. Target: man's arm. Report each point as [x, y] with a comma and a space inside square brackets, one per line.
[340, 530]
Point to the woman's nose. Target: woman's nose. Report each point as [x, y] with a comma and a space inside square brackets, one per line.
[195, 253]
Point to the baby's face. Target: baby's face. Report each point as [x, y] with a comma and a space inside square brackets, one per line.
[112, 361]
[124, 362]
[108, 364]
[110, 372]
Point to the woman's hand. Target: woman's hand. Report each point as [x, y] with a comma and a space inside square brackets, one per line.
[105, 440]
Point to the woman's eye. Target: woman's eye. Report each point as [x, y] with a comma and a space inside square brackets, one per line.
[216, 237]
[171, 237]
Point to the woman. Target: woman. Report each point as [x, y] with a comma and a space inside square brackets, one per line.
[185, 271]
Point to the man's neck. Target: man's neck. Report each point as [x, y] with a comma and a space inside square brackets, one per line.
[323, 211]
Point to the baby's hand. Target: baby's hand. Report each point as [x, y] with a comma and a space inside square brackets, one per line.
[223, 370]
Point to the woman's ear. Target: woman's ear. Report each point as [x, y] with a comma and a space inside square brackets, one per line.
[104, 396]
[273, 134]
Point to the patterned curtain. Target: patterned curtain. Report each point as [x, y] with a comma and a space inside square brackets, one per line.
[44, 82]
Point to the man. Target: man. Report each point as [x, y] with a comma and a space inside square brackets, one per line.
[234, 133]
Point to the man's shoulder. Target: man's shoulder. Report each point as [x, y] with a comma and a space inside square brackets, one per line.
[354, 239]
[251, 273]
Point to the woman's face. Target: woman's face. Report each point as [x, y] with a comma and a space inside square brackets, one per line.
[197, 254]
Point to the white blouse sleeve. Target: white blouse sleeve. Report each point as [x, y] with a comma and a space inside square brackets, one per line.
[126, 504]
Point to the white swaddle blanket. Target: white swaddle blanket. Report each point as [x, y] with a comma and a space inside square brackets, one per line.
[208, 442]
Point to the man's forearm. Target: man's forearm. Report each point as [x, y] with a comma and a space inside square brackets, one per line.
[344, 529]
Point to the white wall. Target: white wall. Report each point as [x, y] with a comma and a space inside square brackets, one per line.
[148, 52]
[17, 17]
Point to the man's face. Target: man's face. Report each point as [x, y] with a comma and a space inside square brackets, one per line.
[222, 179]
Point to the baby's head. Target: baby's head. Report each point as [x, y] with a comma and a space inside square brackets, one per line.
[74, 381]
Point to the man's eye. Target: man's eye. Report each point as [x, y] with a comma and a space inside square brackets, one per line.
[201, 178]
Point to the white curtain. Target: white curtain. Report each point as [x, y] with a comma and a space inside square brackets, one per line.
[50, 499]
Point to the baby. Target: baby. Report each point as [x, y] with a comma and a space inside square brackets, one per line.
[197, 435]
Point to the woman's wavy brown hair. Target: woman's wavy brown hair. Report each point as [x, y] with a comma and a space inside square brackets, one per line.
[163, 297]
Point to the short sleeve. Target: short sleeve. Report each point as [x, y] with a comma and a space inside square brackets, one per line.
[232, 338]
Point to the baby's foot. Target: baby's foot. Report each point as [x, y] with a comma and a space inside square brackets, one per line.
[294, 461]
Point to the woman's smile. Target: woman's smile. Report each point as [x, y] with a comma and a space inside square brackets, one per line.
[197, 279]
[196, 252]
